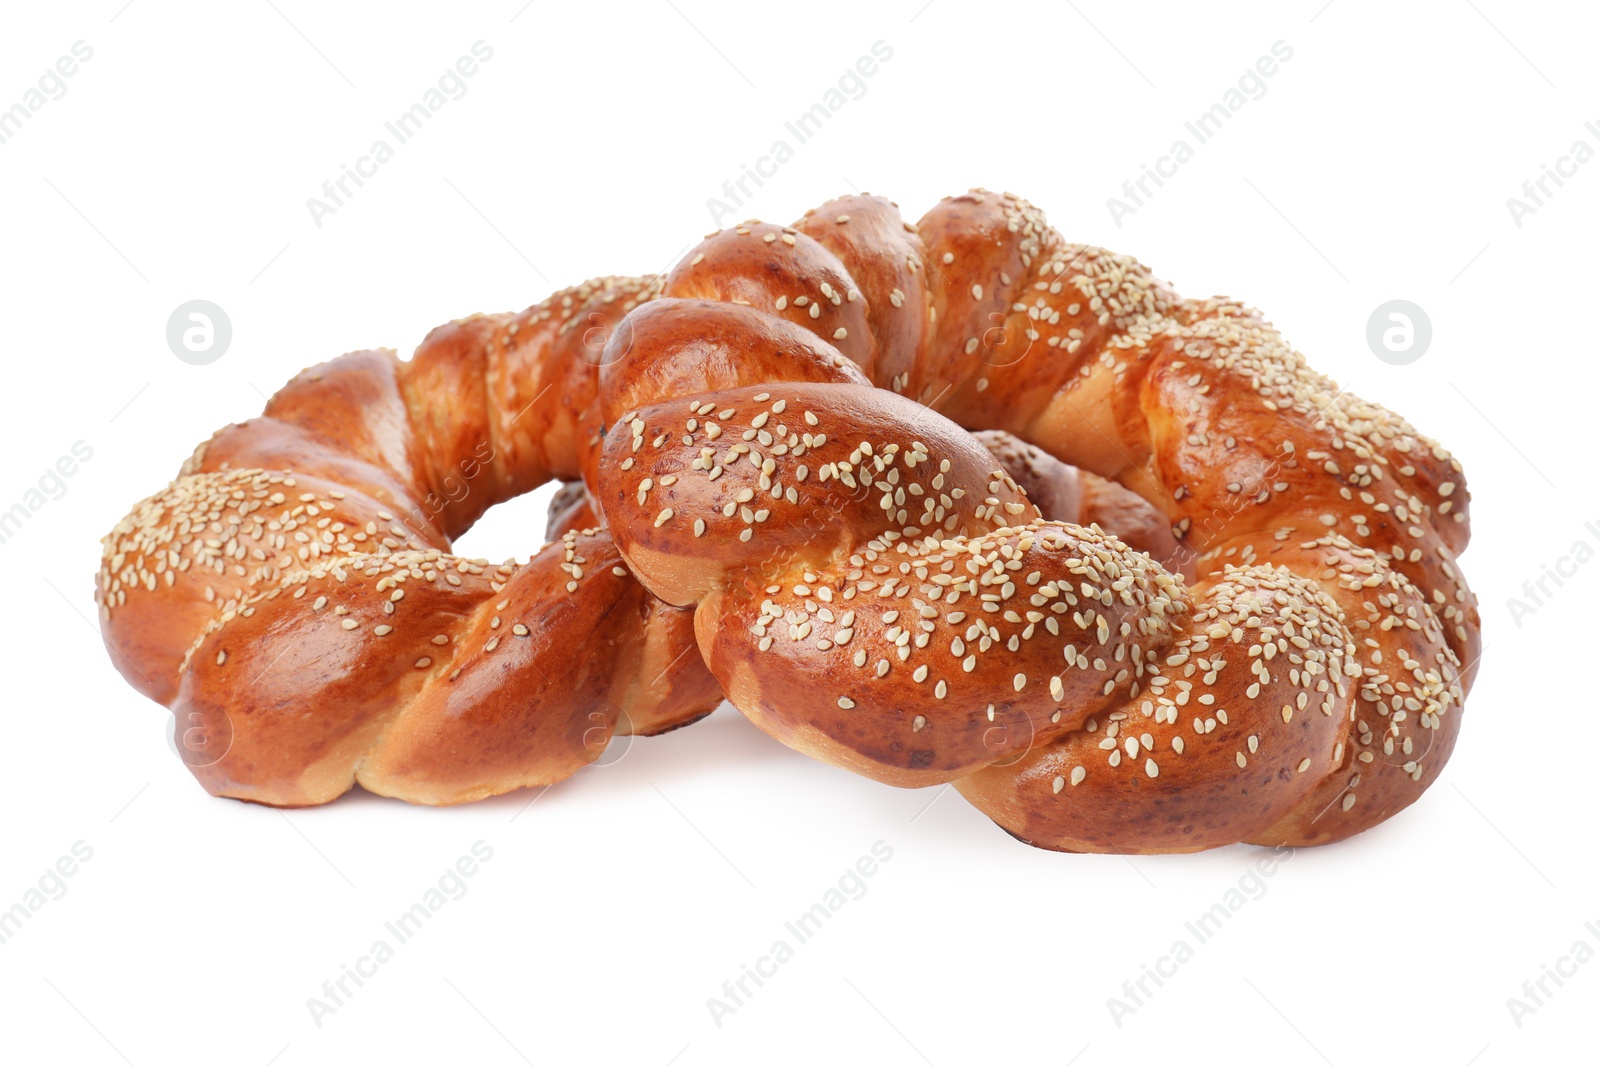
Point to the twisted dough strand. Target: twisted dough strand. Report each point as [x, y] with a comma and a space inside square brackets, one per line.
[1308, 684]
[292, 595]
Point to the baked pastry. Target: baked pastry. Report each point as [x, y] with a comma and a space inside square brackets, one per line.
[774, 436]
[293, 598]
[873, 591]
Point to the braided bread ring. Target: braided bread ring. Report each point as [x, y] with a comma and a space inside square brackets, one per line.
[1129, 355]
[871, 590]
[292, 596]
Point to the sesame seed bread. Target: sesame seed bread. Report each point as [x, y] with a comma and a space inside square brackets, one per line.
[1286, 660]
[293, 598]
[954, 502]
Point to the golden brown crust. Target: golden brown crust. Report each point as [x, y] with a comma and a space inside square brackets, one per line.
[957, 666]
[1213, 749]
[681, 689]
[802, 469]
[292, 595]
[1064, 493]
[324, 686]
[1189, 427]
[1240, 616]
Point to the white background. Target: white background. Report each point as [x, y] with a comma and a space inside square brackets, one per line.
[1377, 166]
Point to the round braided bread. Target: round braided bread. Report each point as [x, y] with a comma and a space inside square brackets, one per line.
[292, 595]
[773, 435]
[872, 589]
